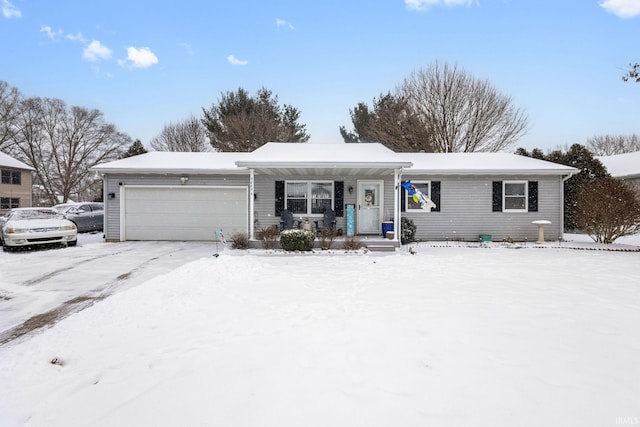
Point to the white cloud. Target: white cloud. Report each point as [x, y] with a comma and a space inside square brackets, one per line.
[96, 51]
[622, 8]
[281, 23]
[140, 57]
[76, 38]
[9, 10]
[50, 33]
[235, 61]
[422, 5]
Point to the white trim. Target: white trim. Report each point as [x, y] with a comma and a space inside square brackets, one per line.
[251, 203]
[407, 200]
[397, 177]
[526, 196]
[309, 195]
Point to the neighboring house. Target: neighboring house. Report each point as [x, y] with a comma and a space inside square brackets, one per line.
[15, 183]
[187, 196]
[624, 166]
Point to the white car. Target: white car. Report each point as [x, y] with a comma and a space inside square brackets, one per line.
[27, 227]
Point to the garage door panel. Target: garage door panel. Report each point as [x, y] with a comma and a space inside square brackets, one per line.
[184, 213]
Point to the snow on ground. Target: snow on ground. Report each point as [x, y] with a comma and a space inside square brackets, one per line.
[450, 336]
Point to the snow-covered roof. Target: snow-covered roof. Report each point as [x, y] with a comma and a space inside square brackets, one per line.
[625, 165]
[482, 163]
[320, 159]
[178, 162]
[10, 162]
[277, 154]
[295, 158]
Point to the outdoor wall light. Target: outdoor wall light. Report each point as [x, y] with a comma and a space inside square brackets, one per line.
[350, 189]
[184, 179]
[111, 195]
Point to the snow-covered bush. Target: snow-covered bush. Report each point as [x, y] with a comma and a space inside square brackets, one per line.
[297, 240]
[408, 231]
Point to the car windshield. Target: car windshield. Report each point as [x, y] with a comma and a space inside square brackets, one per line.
[34, 214]
[63, 208]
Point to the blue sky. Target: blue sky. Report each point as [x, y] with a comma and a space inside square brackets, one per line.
[145, 64]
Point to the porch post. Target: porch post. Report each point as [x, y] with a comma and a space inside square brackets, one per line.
[251, 198]
[396, 204]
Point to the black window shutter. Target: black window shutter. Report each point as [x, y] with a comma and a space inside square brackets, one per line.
[403, 197]
[497, 196]
[435, 195]
[279, 197]
[338, 188]
[533, 196]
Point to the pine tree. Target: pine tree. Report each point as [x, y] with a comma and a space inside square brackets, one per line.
[135, 149]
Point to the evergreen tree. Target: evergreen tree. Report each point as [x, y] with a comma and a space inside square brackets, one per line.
[135, 149]
[591, 170]
[239, 122]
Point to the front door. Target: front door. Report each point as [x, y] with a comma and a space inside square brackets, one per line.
[370, 206]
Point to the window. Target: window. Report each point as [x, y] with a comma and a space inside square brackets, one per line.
[411, 205]
[514, 195]
[309, 198]
[9, 203]
[11, 177]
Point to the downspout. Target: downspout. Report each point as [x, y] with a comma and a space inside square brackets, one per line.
[105, 197]
[562, 204]
[251, 202]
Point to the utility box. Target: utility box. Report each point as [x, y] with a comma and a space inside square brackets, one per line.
[485, 238]
[351, 219]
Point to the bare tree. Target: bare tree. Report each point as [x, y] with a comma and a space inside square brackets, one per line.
[608, 145]
[10, 99]
[462, 113]
[62, 144]
[239, 122]
[188, 135]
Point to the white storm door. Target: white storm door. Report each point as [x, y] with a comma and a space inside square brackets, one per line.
[370, 206]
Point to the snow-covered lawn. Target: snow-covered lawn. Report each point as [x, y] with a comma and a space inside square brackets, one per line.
[450, 336]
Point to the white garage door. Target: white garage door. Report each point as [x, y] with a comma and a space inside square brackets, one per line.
[183, 213]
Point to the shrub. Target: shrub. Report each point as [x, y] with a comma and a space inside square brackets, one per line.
[268, 236]
[297, 240]
[607, 209]
[352, 244]
[327, 236]
[407, 231]
[239, 241]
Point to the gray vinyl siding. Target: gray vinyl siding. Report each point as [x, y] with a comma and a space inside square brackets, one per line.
[466, 210]
[112, 206]
[465, 202]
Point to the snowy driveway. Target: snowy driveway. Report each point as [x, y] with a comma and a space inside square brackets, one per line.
[40, 287]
